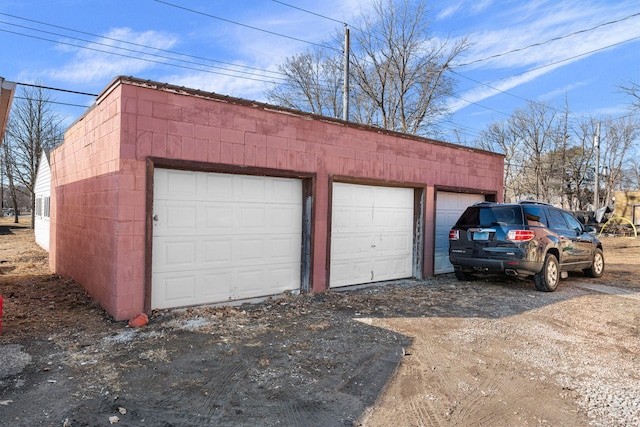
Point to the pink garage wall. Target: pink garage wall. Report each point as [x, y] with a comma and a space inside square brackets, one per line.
[99, 173]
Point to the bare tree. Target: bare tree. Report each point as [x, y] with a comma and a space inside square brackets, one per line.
[499, 139]
[579, 166]
[631, 180]
[33, 126]
[621, 137]
[7, 162]
[633, 90]
[400, 75]
[549, 160]
[537, 130]
[314, 84]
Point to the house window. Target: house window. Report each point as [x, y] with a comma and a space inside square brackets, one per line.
[39, 206]
[47, 202]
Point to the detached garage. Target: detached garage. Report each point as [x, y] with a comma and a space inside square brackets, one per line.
[163, 196]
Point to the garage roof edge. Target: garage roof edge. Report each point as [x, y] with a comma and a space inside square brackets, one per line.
[181, 90]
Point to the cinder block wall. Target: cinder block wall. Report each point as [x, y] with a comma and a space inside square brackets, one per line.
[85, 176]
[99, 174]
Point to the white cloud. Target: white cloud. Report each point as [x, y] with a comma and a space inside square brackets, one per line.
[107, 57]
[463, 8]
[449, 11]
[553, 21]
[495, 88]
[527, 26]
[561, 91]
[221, 84]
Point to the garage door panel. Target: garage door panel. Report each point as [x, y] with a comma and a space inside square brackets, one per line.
[220, 218]
[251, 218]
[247, 281]
[176, 289]
[282, 250]
[281, 218]
[353, 246]
[371, 228]
[176, 253]
[341, 246]
[249, 251]
[394, 243]
[253, 188]
[229, 239]
[389, 268]
[280, 277]
[360, 218]
[349, 272]
[219, 288]
[180, 253]
[218, 253]
[283, 187]
[449, 207]
[178, 185]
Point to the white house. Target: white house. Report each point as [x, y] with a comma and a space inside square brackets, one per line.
[42, 189]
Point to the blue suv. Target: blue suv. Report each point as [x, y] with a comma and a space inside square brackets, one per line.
[527, 239]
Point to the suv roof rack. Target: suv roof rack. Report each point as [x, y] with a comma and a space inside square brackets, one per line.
[533, 202]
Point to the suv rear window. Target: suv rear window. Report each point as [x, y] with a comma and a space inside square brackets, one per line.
[491, 215]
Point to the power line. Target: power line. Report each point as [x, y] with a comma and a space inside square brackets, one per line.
[489, 85]
[57, 89]
[309, 12]
[549, 40]
[113, 50]
[134, 57]
[245, 25]
[133, 44]
[111, 47]
[235, 71]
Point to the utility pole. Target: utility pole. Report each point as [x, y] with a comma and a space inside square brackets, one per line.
[596, 184]
[345, 89]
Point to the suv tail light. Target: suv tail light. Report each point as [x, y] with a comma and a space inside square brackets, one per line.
[520, 235]
[454, 234]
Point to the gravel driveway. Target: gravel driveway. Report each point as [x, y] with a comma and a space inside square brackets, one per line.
[435, 352]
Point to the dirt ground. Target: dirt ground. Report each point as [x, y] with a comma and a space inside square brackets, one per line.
[414, 353]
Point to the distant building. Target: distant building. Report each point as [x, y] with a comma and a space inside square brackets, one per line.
[627, 205]
[42, 189]
[7, 90]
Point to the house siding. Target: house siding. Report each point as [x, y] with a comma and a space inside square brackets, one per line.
[42, 190]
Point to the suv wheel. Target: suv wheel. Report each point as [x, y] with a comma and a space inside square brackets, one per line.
[548, 278]
[597, 264]
[462, 276]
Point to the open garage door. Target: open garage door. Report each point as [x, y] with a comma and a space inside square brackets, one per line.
[371, 234]
[449, 207]
[220, 237]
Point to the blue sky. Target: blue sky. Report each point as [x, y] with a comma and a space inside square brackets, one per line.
[536, 50]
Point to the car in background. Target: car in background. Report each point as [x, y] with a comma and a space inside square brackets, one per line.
[527, 240]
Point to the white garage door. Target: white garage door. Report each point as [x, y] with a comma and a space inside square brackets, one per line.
[371, 234]
[220, 237]
[449, 207]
